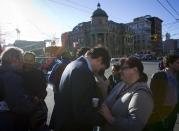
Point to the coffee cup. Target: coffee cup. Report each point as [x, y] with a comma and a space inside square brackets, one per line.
[95, 102]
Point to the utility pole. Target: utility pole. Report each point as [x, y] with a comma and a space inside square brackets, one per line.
[18, 33]
[2, 41]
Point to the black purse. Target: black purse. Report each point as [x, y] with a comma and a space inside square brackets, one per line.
[38, 118]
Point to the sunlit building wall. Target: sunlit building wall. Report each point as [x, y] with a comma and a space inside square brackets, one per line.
[141, 27]
[117, 37]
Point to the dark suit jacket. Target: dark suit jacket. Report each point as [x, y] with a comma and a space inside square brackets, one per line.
[73, 108]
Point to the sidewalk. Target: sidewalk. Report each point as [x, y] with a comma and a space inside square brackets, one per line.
[177, 125]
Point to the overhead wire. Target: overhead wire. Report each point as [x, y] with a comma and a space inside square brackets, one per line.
[54, 12]
[37, 27]
[82, 10]
[170, 23]
[82, 7]
[172, 7]
[168, 26]
[86, 7]
[68, 5]
[166, 9]
[79, 4]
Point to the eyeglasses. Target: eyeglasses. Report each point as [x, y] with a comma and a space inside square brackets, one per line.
[114, 70]
[125, 68]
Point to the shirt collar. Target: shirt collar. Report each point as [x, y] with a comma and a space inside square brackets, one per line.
[89, 64]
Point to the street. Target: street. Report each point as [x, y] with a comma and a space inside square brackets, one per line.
[149, 68]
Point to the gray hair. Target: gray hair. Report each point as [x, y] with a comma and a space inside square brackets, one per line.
[11, 53]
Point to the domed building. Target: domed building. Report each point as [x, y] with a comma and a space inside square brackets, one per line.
[99, 12]
[117, 37]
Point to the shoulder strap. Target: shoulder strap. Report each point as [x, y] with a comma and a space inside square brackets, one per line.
[2, 94]
[143, 89]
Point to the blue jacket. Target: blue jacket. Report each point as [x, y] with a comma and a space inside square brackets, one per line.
[56, 72]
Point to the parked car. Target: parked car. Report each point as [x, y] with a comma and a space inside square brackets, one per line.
[149, 57]
[115, 61]
[138, 56]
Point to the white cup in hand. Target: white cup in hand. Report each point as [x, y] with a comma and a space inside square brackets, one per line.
[95, 102]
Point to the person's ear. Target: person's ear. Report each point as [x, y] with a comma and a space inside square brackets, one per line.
[135, 68]
[99, 59]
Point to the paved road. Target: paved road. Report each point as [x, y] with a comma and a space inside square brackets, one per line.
[149, 69]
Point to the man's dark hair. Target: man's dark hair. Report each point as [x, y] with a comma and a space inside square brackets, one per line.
[100, 52]
[117, 67]
[82, 51]
[170, 59]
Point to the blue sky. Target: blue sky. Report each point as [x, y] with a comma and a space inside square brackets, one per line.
[45, 19]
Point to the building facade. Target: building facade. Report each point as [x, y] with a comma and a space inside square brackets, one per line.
[117, 37]
[171, 46]
[141, 28]
[156, 34]
[143, 34]
[35, 46]
[147, 33]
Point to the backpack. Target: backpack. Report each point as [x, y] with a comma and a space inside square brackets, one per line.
[158, 86]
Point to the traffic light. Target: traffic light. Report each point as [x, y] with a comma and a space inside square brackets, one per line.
[155, 37]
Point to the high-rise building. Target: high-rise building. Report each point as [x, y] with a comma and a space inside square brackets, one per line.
[141, 28]
[156, 33]
[147, 33]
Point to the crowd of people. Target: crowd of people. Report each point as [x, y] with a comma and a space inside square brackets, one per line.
[85, 99]
[23, 90]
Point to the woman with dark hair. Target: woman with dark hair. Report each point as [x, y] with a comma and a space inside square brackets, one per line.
[115, 77]
[130, 103]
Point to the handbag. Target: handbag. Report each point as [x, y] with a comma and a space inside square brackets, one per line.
[39, 117]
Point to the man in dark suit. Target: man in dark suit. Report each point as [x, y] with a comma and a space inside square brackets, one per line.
[74, 108]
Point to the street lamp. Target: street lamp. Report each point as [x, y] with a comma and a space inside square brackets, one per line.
[18, 33]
